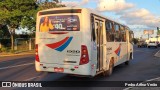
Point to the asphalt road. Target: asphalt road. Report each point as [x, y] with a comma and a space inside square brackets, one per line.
[143, 67]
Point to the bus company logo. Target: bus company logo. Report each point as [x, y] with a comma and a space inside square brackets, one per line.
[60, 45]
[118, 50]
[6, 84]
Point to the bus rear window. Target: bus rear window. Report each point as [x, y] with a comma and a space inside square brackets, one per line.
[59, 23]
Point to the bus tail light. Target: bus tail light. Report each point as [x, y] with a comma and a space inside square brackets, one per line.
[84, 55]
[37, 56]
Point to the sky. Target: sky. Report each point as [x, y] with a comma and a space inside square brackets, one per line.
[139, 15]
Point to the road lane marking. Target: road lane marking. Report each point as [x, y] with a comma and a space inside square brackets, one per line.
[153, 79]
[32, 78]
[157, 54]
[16, 66]
[128, 88]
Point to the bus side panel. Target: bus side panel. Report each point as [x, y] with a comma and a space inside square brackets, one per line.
[118, 51]
[86, 40]
[130, 45]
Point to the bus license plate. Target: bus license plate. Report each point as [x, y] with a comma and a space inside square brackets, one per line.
[58, 69]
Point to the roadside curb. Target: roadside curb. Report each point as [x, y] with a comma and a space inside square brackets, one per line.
[16, 54]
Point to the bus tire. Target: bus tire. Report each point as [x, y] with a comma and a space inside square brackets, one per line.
[110, 70]
[127, 63]
[130, 57]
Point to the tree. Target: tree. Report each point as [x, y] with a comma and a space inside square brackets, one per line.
[50, 4]
[17, 14]
[13, 12]
[41, 1]
[4, 32]
[158, 31]
[135, 40]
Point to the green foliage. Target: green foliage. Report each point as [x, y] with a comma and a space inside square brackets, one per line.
[5, 42]
[12, 51]
[29, 23]
[48, 5]
[22, 13]
[17, 14]
[4, 32]
[135, 40]
[4, 49]
[158, 32]
[12, 12]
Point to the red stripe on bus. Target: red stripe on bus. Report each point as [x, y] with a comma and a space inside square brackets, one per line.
[58, 32]
[117, 50]
[57, 44]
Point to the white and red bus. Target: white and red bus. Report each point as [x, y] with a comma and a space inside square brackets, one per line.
[79, 41]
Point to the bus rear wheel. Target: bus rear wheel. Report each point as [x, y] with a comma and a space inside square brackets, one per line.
[110, 70]
[127, 63]
[130, 57]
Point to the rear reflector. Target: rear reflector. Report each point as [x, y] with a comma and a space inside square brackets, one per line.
[75, 66]
[37, 56]
[84, 55]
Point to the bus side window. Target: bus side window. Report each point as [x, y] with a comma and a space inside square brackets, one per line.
[123, 33]
[117, 32]
[101, 33]
[93, 29]
[130, 36]
[109, 31]
[96, 30]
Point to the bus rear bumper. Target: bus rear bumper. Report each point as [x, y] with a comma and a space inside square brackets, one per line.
[37, 66]
[76, 70]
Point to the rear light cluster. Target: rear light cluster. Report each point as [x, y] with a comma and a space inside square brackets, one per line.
[37, 56]
[84, 55]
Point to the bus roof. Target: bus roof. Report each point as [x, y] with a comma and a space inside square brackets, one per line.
[89, 9]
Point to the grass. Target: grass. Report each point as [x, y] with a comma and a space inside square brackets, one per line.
[7, 50]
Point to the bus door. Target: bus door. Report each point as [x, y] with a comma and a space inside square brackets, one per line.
[130, 46]
[99, 41]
